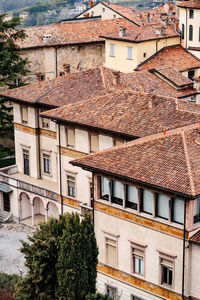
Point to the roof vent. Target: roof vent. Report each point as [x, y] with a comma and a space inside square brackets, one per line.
[47, 38]
[116, 78]
[158, 31]
[122, 31]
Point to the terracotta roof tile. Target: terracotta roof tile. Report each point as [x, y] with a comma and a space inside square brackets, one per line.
[195, 239]
[173, 56]
[126, 112]
[189, 4]
[170, 162]
[71, 32]
[144, 33]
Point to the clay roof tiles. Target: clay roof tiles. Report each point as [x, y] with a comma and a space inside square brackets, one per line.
[195, 239]
[189, 4]
[173, 56]
[170, 161]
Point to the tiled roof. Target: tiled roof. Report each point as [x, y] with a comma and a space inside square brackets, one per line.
[189, 4]
[71, 32]
[126, 112]
[144, 81]
[173, 75]
[66, 89]
[145, 33]
[195, 239]
[170, 161]
[173, 56]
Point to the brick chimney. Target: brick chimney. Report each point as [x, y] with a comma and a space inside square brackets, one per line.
[116, 78]
[122, 31]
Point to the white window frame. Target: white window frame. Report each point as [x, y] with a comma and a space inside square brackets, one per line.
[134, 247]
[71, 174]
[171, 259]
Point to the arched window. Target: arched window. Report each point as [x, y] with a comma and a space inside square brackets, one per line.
[183, 31]
[190, 33]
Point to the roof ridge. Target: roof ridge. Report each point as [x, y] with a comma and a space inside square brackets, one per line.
[188, 164]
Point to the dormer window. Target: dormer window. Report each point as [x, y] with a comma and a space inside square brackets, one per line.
[47, 38]
[191, 13]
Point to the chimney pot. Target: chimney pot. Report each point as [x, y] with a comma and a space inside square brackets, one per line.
[122, 31]
[116, 78]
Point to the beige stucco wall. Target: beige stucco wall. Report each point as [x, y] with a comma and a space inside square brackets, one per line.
[194, 279]
[97, 10]
[120, 62]
[43, 60]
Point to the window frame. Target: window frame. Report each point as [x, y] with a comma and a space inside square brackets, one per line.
[190, 32]
[112, 50]
[111, 288]
[109, 185]
[26, 152]
[156, 212]
[142, 203]
[115, 199]
[46, 157]
[191, 13]
[196, 218]
[129, 54]
[171, 259]
[114, 238]
[69, 145]
[172, 211]
[23, 121]
[128, 203]
[72, 175]
[134, 247]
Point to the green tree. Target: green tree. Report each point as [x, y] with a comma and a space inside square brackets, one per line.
[98, 296]
[61, 259]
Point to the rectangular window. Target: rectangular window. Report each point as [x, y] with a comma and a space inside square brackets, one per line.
[46, 162]
[191, 74]
[138, 261]
[166, 272]
[191, 13]
[147, 201]
[131, 196]
[24, 114]
[162, 206]
[112, 49]
[70, 137]
[196, 210]
[117, 192]
[45, 123]
[26, 161]
[112, 292]
[183, 31]
[105, 188]
[178, 211]
[129, 52]
[94, 143]
[117, 142]
[111, 252]
[135, 298]
[71, 191]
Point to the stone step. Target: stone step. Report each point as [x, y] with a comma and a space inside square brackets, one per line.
[5, 216]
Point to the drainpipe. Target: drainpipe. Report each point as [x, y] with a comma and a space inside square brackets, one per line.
[93, 197]
[186, 27]
[183, 266]
[56, 62]
[59, 147]
[38, 134]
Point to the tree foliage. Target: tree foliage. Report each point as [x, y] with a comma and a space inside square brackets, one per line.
[61, 259]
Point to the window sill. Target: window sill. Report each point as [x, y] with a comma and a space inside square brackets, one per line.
[47, 174]
[112, 55]
[129, 58]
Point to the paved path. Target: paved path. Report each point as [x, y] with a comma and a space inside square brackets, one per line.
[11, 259]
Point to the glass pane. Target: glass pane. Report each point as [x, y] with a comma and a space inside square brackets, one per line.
[162, 206]
[136, 265]
[118, 190]
[164, 274]
[147, 201]
[170, 276]
[178, 211]
[111, 49]
[141, 266]
[132, 194]
[105, 190]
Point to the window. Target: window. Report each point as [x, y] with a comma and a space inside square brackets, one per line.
[114, 16]
[147, 201]
[62, 73]
[117, 192]
[129, 52]
[191, 13]
[46, 163]
[70, 137]
[91, 192]
[183, 31]
[24, 114]
[117, 142]
[105, 188]
[71, 186]
[26, 161]
[144, 54]
[196, 210]
[166, 272]
[103, 9]
[135, 298]
[45, 123]
[190, 33]
[138, 261]
[94, 143]
[112, 49]
[17, 81]
[178, 211]
[191, 74]
[131, 196]
[111, 252]
[162, 206]
[112, 292]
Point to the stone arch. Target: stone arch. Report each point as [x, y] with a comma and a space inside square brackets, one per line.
[38, 205]
[25, 206]
[52, 210]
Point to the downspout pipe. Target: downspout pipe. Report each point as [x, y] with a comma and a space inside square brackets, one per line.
[186, 27]
[38, 135]
[56, 49]
[93, 197]
[60, 163]
[183, 266]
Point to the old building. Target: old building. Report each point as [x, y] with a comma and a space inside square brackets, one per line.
[146, 213]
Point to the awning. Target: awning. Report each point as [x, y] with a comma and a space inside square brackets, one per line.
[5, 188]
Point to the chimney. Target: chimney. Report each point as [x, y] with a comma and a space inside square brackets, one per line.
[158, 31]
[90, 3]
[47, 38]
[116, 78]
[67, 68]
[122, 31]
